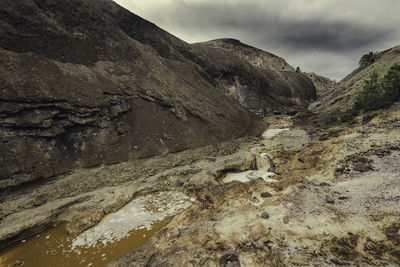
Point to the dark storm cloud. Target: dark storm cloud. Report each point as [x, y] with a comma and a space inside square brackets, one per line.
[337, 36]
[324, 36]
[272, 27]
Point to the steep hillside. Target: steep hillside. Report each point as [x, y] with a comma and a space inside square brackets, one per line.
[345, 92]
[260, 81]
[252, 55]
[86, 83]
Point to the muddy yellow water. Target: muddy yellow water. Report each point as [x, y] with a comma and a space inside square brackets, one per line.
[52, 248]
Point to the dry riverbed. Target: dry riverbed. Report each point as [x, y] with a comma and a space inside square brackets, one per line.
[336, 202]
[93, 216]
[295, 196]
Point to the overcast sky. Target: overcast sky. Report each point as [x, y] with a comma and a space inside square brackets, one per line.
[323, 36]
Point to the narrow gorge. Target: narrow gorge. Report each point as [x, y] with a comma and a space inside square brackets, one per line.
[122, 145]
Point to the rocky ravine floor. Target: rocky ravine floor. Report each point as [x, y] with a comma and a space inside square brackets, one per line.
[337, 202]
[85, 196]
[335, 199]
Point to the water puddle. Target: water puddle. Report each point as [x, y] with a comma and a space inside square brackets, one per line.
[247, 176]
[117, 234]
[265, 166]
[271, 133]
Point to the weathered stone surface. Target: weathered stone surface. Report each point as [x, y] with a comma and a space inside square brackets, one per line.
[229, 260]
[294, 139]
[330, 199]
[84, 196]
[265, 194]
[322, 84]
[85, 83]
[265, 215]
[260, 81]
[360, 227]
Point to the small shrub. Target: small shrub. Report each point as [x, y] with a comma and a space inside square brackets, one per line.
[371, 96]
[367, 59]
[375, 95]
[331, 121]
[391, 84]
[334, 134]
[334, 119]
[325, 126]
[370, 115]
[349, 115]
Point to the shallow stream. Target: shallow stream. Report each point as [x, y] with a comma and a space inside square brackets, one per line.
[117, 234]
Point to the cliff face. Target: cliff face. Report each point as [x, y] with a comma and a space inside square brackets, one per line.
[260, 81]
[86, 83]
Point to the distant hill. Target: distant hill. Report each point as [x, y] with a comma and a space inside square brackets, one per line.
[342, 96]
[322, 84]
[260, 81]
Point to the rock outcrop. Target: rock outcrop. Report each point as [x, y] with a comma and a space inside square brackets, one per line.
[262, 82]
[322, 84]
[86, 83]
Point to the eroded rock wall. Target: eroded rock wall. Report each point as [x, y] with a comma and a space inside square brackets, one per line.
[86, 83]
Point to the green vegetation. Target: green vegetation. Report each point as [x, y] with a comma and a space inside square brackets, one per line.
[367, 59]
[372, 95]
[333, 120]
[370, 115]
[391, 83]
[380, 93]
[375, 95]
[326, 122]
[349, 116]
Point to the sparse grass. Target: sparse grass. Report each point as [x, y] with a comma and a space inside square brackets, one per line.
[334, 134]
[376, 94]
[349, 115]
[328, 123]
[370, 115]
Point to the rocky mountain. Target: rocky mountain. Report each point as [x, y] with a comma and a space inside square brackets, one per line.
[322, 84]
[262, 82]
[86, 83]
[342, 96]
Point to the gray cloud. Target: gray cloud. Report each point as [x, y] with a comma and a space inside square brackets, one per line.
[323, 36]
